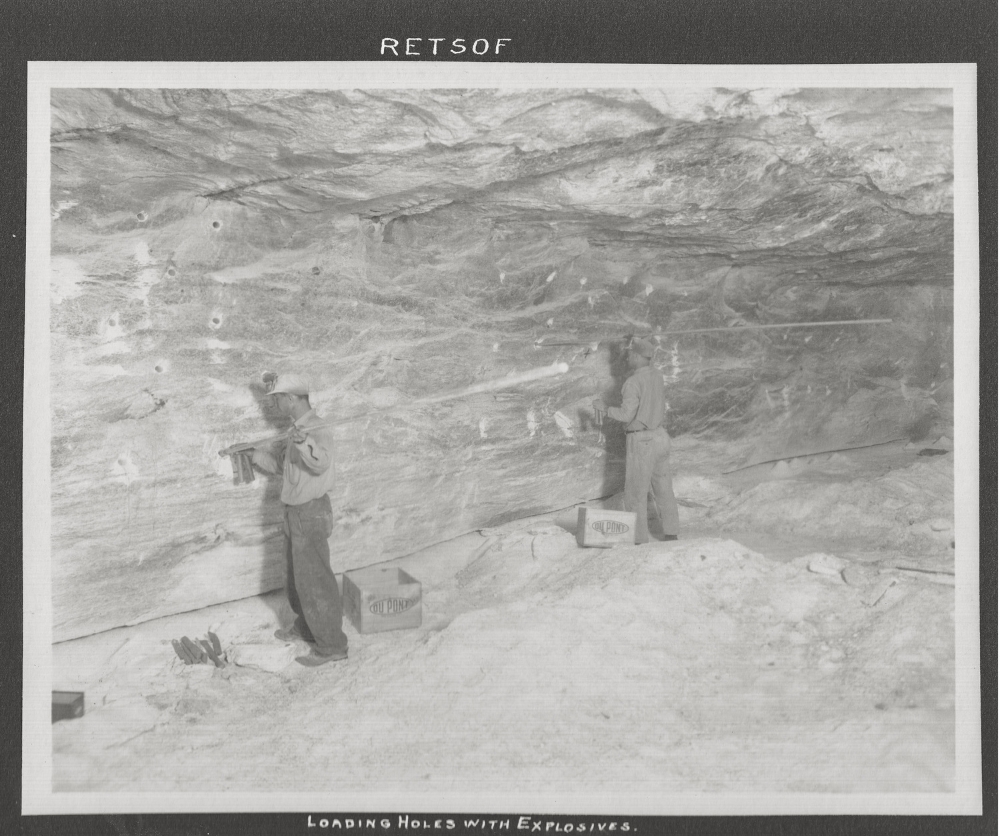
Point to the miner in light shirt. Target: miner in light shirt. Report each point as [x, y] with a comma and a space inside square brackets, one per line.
[647, 445]
[305, 461]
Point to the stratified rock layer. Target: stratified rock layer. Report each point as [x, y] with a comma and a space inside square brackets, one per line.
[397, 244]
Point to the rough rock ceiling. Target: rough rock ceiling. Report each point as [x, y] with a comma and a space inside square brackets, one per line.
[395, 244]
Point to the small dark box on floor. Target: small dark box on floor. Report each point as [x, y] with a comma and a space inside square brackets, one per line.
[378, 599]
[66, 705]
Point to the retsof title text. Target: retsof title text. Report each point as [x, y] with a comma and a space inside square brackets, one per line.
[415, 47]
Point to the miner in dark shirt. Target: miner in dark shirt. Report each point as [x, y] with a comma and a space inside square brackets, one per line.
[647, 445]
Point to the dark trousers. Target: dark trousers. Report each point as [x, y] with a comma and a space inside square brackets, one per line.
[647, 467]
[310, 583]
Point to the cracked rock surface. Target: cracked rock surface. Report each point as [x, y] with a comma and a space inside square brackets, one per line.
[396, 244]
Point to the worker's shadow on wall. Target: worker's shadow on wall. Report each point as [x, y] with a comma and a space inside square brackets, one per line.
[272, 566]
[612, 433]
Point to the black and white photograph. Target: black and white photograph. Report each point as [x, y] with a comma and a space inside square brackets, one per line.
[590, 440]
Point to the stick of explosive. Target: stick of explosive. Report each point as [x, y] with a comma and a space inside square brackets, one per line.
[243, 472]
[541, 341]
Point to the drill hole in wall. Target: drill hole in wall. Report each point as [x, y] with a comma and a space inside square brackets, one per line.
[158, 369]
[216, 320]
[171, 271]
[216, 225]
[141, 216]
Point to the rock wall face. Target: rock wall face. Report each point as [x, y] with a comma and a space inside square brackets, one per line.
[395, 244]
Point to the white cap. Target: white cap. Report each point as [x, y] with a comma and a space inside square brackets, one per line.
[292, 384]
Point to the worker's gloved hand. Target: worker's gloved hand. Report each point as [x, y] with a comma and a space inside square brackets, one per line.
[264, 459]
[296, 435]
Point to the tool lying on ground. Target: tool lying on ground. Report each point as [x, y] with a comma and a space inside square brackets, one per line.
[541, 342]
[202, 652]
[240, 454]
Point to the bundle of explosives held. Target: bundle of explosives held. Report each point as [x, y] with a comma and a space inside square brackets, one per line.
[201, 652]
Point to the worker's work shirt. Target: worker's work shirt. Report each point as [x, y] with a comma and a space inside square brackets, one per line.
[643, 401]
[308, 471]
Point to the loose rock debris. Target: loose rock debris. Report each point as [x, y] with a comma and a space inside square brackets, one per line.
[687, 665]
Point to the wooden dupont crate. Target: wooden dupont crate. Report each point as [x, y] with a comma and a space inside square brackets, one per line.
[603, 529]
[377, 599]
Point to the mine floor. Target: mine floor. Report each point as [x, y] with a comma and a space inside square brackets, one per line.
[738, 658]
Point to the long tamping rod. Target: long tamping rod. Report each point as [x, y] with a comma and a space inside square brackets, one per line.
[494, 385]
[542, 342]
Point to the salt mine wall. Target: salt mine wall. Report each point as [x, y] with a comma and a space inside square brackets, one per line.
[397, 244]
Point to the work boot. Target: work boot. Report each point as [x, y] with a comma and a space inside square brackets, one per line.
[314, 659]
[290, 634]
